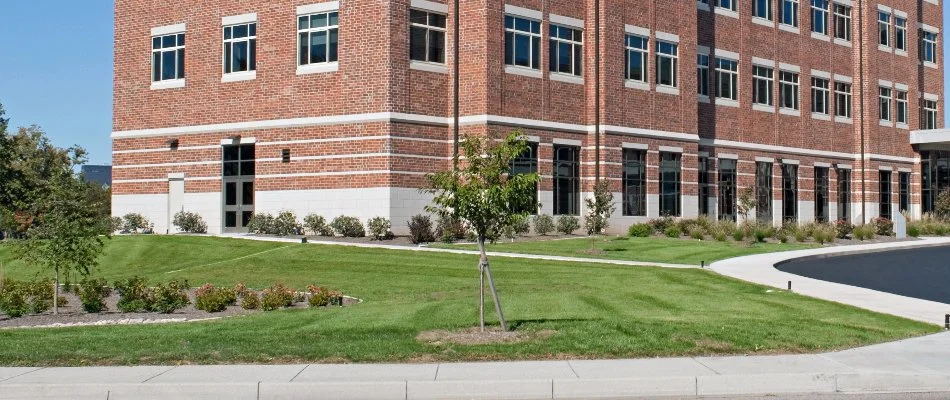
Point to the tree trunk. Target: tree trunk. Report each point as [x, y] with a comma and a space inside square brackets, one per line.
[491, 284]
[56, 290]
[482, 259]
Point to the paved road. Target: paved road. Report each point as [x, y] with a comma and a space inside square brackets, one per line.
[920, 273]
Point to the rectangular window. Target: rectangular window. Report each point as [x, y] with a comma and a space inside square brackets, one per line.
[522, 42]
[885, 194]
[842, 22]
[904, 190]
[843, 99]
[240, 48]
[789, 13]
[901, 107]
[762, 9]
[636, 69]
[789, 193]
[318, 38]
[820, 94]
[728, 183]
[702, 74]
[884, 103]
[819, 16]
[670, 173]
[900, 33]
[844, 194]
[566, 180]
[527, 163]
[788, 90]
[426, 36]
[727, 79]
[238, 160]
[763, 192]
[929, 114]
[566, 50]
[666, 64]
[762, 85]
[703, 181]
[928, 51]
[884, 28]
[727, 4]
[934, 177]
[634, 183]
[168, 57]
[821, 194]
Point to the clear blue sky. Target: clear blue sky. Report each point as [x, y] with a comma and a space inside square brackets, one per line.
[56, 70]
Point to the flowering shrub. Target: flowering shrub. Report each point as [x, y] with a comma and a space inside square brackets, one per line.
[883, 226]
[277, 296]
[214, 299]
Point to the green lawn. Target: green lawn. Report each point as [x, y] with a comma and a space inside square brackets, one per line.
[653, 249]
[596, 310]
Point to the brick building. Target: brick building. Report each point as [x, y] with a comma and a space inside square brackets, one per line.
[828, 108]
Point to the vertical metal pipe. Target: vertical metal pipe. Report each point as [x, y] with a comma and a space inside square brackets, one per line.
[864, 177]
[597, 91]
[455, 86]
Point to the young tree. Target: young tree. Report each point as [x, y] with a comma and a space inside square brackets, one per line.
[746, 202]
[482, 192]
[600, 207]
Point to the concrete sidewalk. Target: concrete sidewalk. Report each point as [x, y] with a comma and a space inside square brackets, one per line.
[915, 365]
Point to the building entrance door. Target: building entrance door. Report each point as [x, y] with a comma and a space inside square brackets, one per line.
[238, 191]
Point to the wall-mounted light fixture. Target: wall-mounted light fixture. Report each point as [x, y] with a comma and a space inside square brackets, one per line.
[172, 144]
[285, 155]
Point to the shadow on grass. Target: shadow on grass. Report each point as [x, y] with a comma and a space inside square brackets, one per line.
[517, 324]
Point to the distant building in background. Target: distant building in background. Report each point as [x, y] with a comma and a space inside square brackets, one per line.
[98, 173]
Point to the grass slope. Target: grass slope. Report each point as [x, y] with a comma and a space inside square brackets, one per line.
[597, 310]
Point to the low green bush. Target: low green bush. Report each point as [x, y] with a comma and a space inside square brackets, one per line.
[568, 224]
[250, 300]
[449, 229]
[134, 295]
[170, 297]
[913, 230]
[136, 223]
[214, 299]
[660, 224]
[189, 222]
[761, 233]
[521, 225]
[543, 224]
[864, 232]
[285, 224]
[348, 227]
[317, 225]
[420, 229]
[380, 228]
[13, 298]
[883, 226]
[93, 293]
[738, 235]
[843, 229]
[277, 296]
[697, 232]
[640, 230]
[319, 296]
[673, 231]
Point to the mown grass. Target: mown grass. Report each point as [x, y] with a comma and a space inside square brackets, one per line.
[597, 311]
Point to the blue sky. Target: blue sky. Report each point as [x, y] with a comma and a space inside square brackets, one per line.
[56, 70]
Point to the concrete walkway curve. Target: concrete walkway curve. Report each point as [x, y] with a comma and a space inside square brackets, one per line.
[760, 268]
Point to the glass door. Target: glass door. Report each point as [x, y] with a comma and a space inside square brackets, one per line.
[238, 190]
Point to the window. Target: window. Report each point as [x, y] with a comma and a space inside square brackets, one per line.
[885, 194]
[762, 9]
[903, 179]
[789, 193]
[884, 103]
[901, 107]
[819, 16]
[702, 74]
[666, 64]
[670, 184]
[566, 180]
[728, 178]
[820, 94]
[240, 48]
[636, 58]
[842, 22]
[727, 4]
[566, 50]
[238, 160]
[929, 114]
[900, 33]
[527, 163]
[843, 100]
[844, 194]
[522, 42]
[762, 85]
[821, 194]
[763, 192]
[426, 36]
[727, 79]
[884, 28]
[789, 13]
[788, 90]
[928, 49]
[703, 181]
[934, 177]
[318, 38]
[168, 57]
[634, 183]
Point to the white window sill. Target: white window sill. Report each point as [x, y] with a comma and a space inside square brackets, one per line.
[935, 2]
[886, 49]
[790, 111]
[844, 120]
[668, 90]
[727, 12]
[820, 36]
[169, 84]
[318, 68]
[820, 116]
[900, 53]
[702, 6]
[789, 28]
[567, 78]
[903, 126]
[428, 66]
[929, 64]
[842, 42]
[703, 99]
[885, 123]
[637, 85]
[763, 22]
[763, 108]
[727, 102]
[239, 76]
[523, 71]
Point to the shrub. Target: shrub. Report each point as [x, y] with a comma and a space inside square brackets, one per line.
[640, 230]
[913, 230]
[13, 298]
[825, 233]
[189, 222]
[380, 228]
[449, 229]
[727, 227]
[942, 205]
[761, 232]
[317, 225]
[420, 229]
[782, 235]
[660, 224]
[170, 297]
[543, 224]
[116, 224]
[719, 234]
[673, 231]
[134, 295]
[214, 299]
[261, 224]
[567, 224]
[521, 225]
[277, 296]
[697, 232]
[250, 301]
[738, 235]
[348, 227]
[135, 223]
[883, 226]
[92, 295]
[864, 232]
[241, 290]
[801, 233]
[319, 296]
[843, 228]
[285, 224]
[686, 224]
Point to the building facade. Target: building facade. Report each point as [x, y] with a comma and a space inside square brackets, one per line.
[828, 109]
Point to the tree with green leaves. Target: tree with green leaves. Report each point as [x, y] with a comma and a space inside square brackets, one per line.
[600, 207]
[483, 193]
